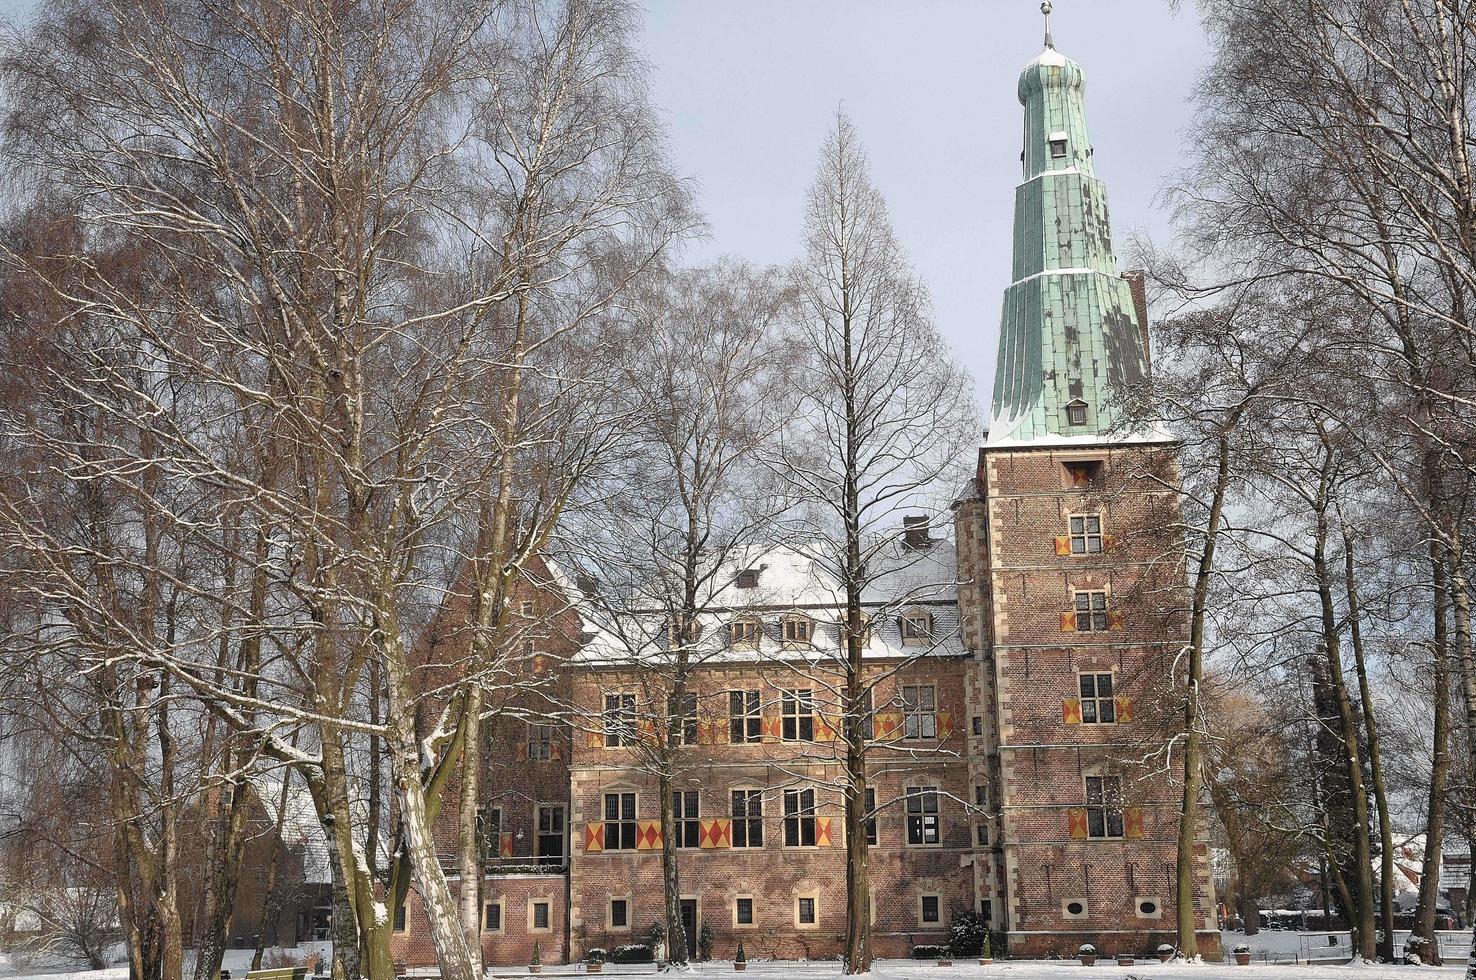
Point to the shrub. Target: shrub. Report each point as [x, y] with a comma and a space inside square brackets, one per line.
[1165, 947]
[595, 955]
[967, 934]
[537, 959]
[1242, 948]
[632, 953]
[928, 952]
[740, 956]
[1086, 949]
[704, 942]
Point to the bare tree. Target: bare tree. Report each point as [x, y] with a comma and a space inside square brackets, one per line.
[884, 428]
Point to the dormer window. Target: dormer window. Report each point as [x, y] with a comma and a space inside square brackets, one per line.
[748, 578]
[1076, 413]
[674, 633]
[1058, 149]
[744, 634]
[797, 631]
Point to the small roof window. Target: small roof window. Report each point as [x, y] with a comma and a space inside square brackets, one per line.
[748, 578]
[1076, 412]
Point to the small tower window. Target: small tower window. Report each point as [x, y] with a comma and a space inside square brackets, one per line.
[1076, 413]
[1058, 149]
[748, 578]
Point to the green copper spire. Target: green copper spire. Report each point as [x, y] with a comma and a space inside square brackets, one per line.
[1069, 333]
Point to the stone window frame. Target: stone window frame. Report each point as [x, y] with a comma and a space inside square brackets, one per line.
[813, 896]
[533, 902]
[635, 821]
[916, 636]
[1066, 913]
[629, 901]
[802, 700]
[752, 718]
[1107, 807]
[526, 607]
[921, 792]
[748, 789]
[619, 723]
[541, 738]
[686, 827]
[501, 904]
[800, 816]
[1100, 705]
[492, 842]
[1140, 900]
[796, 619]
[1087, 536]
[919, 724]
[922, 920]
[682, 718]
[1092, 611]
[757, 624]
[400, 918]
[752, 910]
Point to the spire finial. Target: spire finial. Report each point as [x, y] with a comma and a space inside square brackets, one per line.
[1045, 8]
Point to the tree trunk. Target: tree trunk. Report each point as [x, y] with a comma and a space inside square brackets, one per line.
[469, 857]
[1429, 898]
[671, 888]
[1376, 770]
[1193, 723]
[270, 906]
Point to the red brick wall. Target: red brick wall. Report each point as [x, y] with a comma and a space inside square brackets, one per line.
[1030, 666]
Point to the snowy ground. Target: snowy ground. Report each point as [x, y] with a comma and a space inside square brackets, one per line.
[238, 961]
[1273, 953]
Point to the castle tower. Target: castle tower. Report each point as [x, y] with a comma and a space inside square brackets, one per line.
[1078, 586]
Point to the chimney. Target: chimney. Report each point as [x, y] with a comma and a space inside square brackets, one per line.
[915, 532]
[1137, 281]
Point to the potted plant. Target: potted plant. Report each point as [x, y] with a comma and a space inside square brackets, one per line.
[1124, 959]
[1242, 955]
[740, 958]
[986, 953]
[1165, 952]
[1087, 953]
[535, 963]
[945, 956]
[594, 961]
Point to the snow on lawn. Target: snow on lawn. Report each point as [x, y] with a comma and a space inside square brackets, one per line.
[238, 961]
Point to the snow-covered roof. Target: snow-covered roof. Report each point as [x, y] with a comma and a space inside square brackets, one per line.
[790, 582]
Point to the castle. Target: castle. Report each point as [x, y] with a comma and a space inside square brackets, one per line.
[1019, 768]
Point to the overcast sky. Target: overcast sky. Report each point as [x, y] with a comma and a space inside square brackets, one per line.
[748, 89]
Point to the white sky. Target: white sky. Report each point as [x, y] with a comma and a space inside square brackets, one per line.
[748, 88]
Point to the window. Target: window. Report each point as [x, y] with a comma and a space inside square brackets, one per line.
[804, 913]
[1086, 534]
[540, 741]
[1097, 704]
[843, 630]
[1149, 908]
[681, 719]
[797, 631]
[620, 913]
[917, 629]
[1074, 908]
[744, 634]
[922, 815]
[981, 834]
[400, 917]
[620, 720]
[748, 578]
[620, 821]
[491, 833]
[797, 713]
[551, 835]
[868, 716]
[1084, 474]
[684, 813]
[540, 915]
[1058, 149]
[1091, 611]
[919, 711]
[1076, 413]
[527, 607]
[745, 724]
[1104, 806]
[748, 818]
[870, 817]
[981, 797]
[674, 633]
[986, 911]
[743, 910]
[799, 818]
[930, 911]
[492, 916]
[976, 724]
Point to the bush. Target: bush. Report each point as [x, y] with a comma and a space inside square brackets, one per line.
[927, 952]
[595, 955]
[1415, 951]
[704, 942]
[1086, 949]
[1242, 948]
[740, 956]
[632, 953]
[1165, 947]
[967, 934]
